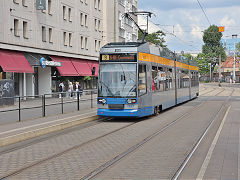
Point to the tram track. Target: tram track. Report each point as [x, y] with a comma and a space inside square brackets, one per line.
[15, 172]
[116, 158]
[197, 144]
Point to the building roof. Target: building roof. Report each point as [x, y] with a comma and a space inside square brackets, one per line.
[229, 63]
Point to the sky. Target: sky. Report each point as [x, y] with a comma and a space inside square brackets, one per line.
[183, 21]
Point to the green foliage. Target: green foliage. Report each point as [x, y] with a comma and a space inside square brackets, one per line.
[211, 50]
[87, 78]
[156, 38]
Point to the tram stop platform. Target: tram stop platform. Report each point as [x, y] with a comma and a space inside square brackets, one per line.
[19, 131]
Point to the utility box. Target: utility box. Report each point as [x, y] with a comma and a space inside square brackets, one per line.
[6, 92]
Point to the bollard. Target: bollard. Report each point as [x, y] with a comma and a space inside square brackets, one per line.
[19, 109]
[62, 103]
[91, 99]
[78, 100]
[43, 106]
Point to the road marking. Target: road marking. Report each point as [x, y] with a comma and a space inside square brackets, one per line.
[239, 156]
[210, 151]
[13, 130]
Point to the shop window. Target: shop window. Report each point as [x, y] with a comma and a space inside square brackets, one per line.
[16, 28]
[142, 83]
[50, 35]
[64, 13]
[50, 7]
[44, 39]
[25, 29]
[65, 38]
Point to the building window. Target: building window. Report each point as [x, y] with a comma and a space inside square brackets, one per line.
[82, 42]
[86, 18]
[70, 39]
[86, 43]
[70, 14]
[24, 3]
[95, 24]
[16, 30]
[99, 45]
[81, 19]
[95, 4]
[86, 2]
[64, 13]
[96, 45]
[50, 35]
[43, 34]
[99, 25]
[65, 38]
[16, 1]
[49, 7]
[99, 5]
[25, 29]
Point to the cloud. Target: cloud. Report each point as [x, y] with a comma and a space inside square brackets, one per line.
[179, 30]
[196, 32]
[226, 21]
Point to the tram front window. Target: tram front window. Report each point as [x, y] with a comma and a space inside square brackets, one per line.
[117, 80]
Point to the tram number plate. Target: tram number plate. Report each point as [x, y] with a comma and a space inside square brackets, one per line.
[105, 57]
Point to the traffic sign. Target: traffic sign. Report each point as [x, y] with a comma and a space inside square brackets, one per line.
[221, 28]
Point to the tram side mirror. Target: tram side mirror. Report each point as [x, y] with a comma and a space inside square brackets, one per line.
[93, 71]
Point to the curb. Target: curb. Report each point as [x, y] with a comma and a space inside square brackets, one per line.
[43, 131]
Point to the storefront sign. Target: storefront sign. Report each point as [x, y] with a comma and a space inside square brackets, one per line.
[41, 4]
[44, 63]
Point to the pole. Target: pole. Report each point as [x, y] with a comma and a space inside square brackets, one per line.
[219, 69]
[210, 71]
[234, 75]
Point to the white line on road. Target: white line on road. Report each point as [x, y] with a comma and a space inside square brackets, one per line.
[13, 130]
[210, 151]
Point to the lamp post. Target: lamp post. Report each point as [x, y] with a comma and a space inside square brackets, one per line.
[234, 60]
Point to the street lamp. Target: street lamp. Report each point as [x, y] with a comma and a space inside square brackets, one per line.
[234, 36]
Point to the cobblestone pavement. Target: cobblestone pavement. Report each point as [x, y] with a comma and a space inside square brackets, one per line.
[157, 159]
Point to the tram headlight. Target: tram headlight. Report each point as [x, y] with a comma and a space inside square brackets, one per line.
[131, 101]
[102, 101]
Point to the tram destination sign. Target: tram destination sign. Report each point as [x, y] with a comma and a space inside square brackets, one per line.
[123, 57]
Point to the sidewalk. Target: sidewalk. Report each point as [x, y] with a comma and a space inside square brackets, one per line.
[20, 131]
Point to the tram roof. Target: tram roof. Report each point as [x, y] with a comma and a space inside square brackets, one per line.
[121, 44]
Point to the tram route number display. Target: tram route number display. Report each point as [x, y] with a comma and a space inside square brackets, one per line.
[118, 58]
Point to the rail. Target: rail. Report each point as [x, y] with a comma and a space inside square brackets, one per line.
[21, 103]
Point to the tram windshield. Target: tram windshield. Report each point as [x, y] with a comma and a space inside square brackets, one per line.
[117, 80]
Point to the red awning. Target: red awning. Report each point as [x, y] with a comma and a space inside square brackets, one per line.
[12, 61]
[84, 68]
[67, 68]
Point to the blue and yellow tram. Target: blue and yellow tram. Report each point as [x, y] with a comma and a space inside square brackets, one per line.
[139, 79]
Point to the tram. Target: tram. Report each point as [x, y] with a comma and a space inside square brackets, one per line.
[138, 79]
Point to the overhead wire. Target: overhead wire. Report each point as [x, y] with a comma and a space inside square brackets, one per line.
[204, 12]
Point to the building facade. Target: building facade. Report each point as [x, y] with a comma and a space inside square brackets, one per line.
[66, 31]
[117, 28]
[43, 42]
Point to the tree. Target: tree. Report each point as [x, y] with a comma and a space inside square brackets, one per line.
[211, 49]
[156, 38]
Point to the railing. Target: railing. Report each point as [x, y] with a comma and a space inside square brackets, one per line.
[45, 105]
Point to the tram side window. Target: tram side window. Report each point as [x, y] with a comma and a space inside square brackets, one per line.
[161, 79]
[155, 80]
[142, 83]
[170, 78]
[185, 79]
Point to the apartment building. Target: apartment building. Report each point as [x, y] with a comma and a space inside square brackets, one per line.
[62, 38]
[117, 28]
